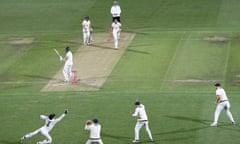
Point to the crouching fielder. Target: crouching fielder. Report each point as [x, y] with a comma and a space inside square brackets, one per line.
[50, 122]
[142, 121]
[116, 28]
[95, 129]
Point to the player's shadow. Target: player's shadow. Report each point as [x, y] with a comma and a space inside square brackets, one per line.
[138, 51]
[122, 138]
[205, 122]
[40, 77]
[102, 47]
[183, 130]
[129, 50]
[172, 139]
[68, 41]
[136, 32]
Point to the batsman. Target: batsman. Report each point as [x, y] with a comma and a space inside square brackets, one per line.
[68, 59]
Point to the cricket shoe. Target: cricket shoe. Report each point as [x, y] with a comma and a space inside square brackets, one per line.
[136, 141]
[214, 124]
[150, 140]
[22, 139]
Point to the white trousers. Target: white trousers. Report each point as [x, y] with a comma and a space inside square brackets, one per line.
[138, 126]
[116, 35]
[86, 37]
[220, 106]
[90, 141]
[67, 72]
[44, 133]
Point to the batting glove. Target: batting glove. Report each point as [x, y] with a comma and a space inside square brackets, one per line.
[61, 58]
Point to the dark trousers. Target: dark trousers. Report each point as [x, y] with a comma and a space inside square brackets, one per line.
[118, 18]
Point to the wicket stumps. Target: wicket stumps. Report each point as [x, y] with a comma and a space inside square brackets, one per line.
[74, 77]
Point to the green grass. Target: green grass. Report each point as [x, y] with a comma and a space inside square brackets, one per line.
[169, 46]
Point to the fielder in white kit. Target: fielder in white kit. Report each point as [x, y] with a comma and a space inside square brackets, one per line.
[116, 28]
[68, 59]
[142, 121]
[222, 103]
[50, 122]
[86, 28]
[95, 131]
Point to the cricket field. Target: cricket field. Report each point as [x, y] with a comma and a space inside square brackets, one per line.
[176, 52]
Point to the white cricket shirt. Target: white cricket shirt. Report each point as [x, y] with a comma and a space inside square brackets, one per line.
[140, 113]
[116, 26]
[49, 124]
[86, 25]
[69, 60]
[94, 129]
[115, 11]
[221, 92]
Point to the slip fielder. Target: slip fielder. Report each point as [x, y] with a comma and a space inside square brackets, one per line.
[95, 129]
[50, 122]
[222, 103]
[142, 121]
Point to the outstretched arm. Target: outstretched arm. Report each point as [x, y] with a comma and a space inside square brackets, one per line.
[62, 116]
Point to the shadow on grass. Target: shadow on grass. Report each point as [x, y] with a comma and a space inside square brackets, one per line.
[205, 122]
[40, 77]
[185, 130]
[137, 51]
[120, 138]
[68, 41]
[102, 47]
[228, 126]
[137, 32]
[160, 141]
[129, 50]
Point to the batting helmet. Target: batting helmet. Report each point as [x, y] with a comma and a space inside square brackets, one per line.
[67, 48]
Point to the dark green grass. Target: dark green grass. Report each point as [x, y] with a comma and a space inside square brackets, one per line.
[159, 65]
[174, 117]
[32, 65]
[169, 46]
[42, 16]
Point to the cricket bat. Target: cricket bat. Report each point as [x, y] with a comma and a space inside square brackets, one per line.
[57, 52]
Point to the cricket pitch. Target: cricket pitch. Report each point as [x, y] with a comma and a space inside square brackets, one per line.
[93, 63]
